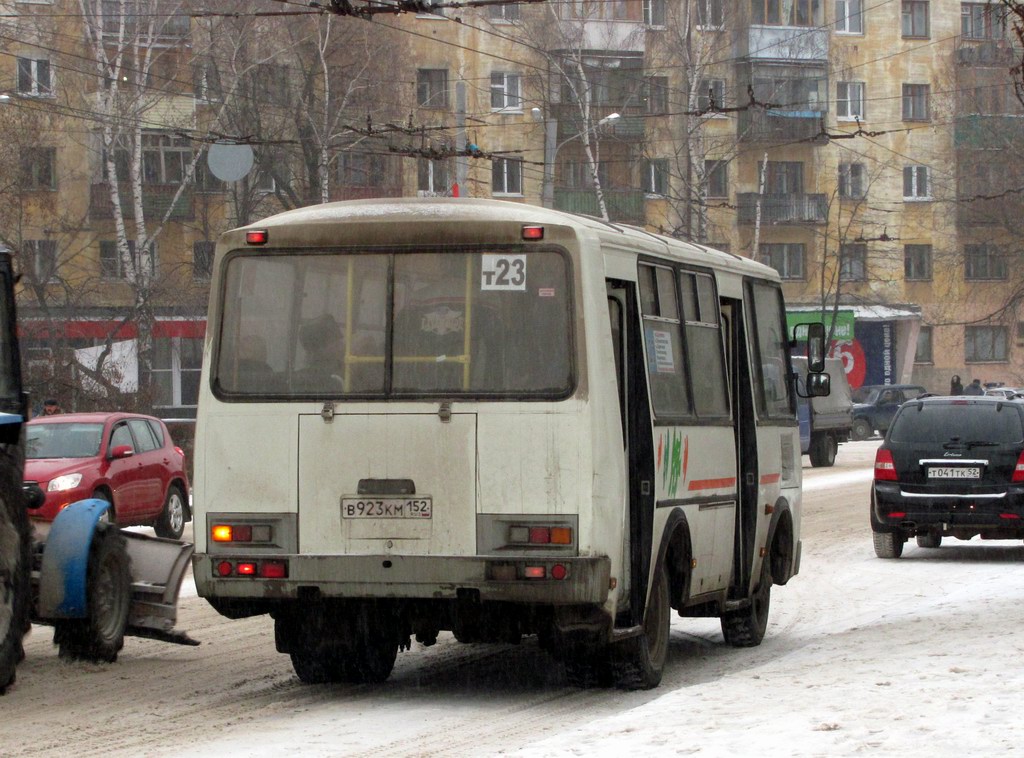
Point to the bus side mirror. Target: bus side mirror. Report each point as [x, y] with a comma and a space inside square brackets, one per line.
[815, 347]
[818, 384]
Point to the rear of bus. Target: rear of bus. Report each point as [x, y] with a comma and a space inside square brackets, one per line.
[393, 417]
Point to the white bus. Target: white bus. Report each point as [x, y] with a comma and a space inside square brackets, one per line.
[497, 420]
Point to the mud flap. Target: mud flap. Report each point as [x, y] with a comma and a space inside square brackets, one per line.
[158, 568]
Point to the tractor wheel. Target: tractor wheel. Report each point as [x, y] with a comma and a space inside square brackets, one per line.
[100, 635]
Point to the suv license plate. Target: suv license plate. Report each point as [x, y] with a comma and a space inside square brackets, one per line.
[954, 472]
[387, 507]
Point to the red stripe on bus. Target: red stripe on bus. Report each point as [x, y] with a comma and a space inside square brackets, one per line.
[770, 478]
[712, 484]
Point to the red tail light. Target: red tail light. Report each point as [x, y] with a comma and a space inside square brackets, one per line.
[885, 467]
[1018, 470]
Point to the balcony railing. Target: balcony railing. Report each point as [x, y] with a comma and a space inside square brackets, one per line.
[785, 43]
[986, 52]
[781, 126]
[978, 131]
[626, 206]
[1005, 211]
[629, 125]
[156, 199]
[783, 209]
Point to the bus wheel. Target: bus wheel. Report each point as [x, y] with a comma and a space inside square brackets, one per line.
[318, 667]
[640, 661]
[746, 627]
[100, 635]
[372, 645]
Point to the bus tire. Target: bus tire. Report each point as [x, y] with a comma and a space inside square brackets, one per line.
[100, 635]
[15, 590]
[321, 666]
[746, 627]
[639, 662]
[373, 645]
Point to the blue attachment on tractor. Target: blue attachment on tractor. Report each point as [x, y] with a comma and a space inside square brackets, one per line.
[64, 571]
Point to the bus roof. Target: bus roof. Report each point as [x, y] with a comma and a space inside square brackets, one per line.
[482, 209]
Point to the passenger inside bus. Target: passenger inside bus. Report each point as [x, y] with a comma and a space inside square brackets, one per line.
[323, 346]
[253, 372]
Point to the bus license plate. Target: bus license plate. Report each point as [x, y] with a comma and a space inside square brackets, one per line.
[386, 507]
[954, 472]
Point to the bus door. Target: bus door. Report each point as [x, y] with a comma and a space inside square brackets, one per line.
[742, 401]
[635, 412]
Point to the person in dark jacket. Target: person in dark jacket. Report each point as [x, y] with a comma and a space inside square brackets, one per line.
[955, 386]
[974, 388]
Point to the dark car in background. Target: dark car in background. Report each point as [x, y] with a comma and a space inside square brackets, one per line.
[127, 459]
[949, 467]
[874, 405]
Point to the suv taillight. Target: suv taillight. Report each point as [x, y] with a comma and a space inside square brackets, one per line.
[885, 467]
[1018, 470]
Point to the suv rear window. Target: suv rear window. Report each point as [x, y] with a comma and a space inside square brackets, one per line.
[941, 422]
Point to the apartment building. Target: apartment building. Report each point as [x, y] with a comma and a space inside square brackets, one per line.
[865, 150]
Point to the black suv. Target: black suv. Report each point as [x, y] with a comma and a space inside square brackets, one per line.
[949, 466]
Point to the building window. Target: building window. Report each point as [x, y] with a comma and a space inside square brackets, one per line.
[711, 14]
[432, 87]
[785, 257]
[507, 176]
[432, 177]
[580, 174]
[655, 178]
[357, 169]
[165, 159]
[656, 96]
[202, 258]
[654, 12]
[710, 94]
[505, 93]
[506, 12]
[852, 181]
[853, 261]
[984, 344]
[42, 256]
[849, 17]
[914, 18]
[850, 101]
[917, 262]
[716, 174]
[915, 102]
[38, 168]
[791, 13]
[111, 265]
[984, 262]
[915, 183]
[981, 21]
[35, 77]
[206, 82]
[177, 363]
[783, 177]
[923, 352]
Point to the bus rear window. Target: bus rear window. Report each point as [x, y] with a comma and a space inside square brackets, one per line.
[487, 323]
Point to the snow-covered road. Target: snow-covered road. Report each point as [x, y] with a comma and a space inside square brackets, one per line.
[863, 656]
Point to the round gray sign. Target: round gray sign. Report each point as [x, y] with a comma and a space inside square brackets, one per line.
[229, 162]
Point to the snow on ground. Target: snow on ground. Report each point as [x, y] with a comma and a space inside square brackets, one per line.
[920, 655]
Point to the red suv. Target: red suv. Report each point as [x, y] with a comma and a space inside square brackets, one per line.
[127, 459]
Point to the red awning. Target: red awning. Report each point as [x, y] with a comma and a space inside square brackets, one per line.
[101, 329]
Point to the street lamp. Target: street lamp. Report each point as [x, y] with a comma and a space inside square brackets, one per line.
[551, 148]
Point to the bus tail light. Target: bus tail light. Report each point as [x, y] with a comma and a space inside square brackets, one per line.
[533, 232]
[535, 572]
[249, 533]
[257, 237]
[533, 534]
[268, 569]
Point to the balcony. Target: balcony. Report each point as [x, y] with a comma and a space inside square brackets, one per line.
[757, 125]
[156, 199]
[792, 44]
[986, 52]
[629, 127]
[979, 131]
[625, 206]
[796, 209]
